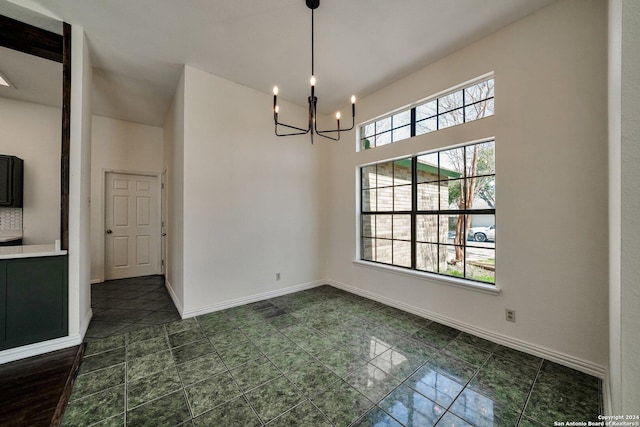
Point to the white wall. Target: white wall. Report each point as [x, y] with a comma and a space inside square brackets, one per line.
[32, 132]
[251, 199]
[624, 204]
[80, 186]
[174, 166]
[122, 146]
[550, 127]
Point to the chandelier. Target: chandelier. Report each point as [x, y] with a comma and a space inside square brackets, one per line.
[312, 126]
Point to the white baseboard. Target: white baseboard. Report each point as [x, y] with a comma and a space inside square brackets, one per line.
[536, 350]
[251, 298]
[173, 296]
[36, 349]
[94, 281]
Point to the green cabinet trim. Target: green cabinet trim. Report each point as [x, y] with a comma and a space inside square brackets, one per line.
[34, 300]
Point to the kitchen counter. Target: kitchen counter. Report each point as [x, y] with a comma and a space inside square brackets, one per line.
[29, 251]
[9, 238]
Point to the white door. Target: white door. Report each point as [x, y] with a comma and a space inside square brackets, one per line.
[132, 226]
[163, 223]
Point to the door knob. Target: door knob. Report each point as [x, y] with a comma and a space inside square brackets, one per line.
[164, 234]
[109, 231]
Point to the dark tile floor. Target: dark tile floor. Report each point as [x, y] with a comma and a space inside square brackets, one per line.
[321, 357]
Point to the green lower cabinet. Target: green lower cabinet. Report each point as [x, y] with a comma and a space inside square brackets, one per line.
[34, 300]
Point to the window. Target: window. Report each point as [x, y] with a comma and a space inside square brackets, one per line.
[464, 105]
[433, 212]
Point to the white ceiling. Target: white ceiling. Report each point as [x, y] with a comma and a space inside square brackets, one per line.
[138, 47]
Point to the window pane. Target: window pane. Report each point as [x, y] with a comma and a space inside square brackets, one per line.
[481, 264]
[402, 253]
[427, 110]
[402, 119]
[452, 163]
[383, 226]
[427, 257]
[426, 126]
[369, 200]
[484, 196]
[450, 102]
[368, 249]
[450, 119]
[450, 194]
[383, 251]
[368, 130]
[478, 92]
[402, 198]
[427, 228]
[428, 167]
[479, 110]
[385, 199]
[402, 227]
[383, 125]
[448, 263]
[402, 172]
[366, 143]
[486, 158]
[368, 228]
[456, 229]
[428, 196]
[383, 139]
[401, 133]
[385, 174]
[368, 174]
[482, 231]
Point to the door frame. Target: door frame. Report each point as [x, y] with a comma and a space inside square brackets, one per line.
[103, 207]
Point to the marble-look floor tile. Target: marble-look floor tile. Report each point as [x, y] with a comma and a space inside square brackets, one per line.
[450, 420]
[435, 385]
[150, 364]
[170, 410]
[99, 380]
[378, 418]
[146, 333]
[488, 408]
[200, 368]
[151, 387]
[274, 398]
[412, 408]
[372, 381]
[312, 378]
[452, 367]
[192, 350]
[436, 335]
[96, 407]
[212, 392]
[404, 359]
[106, 344]
[236, 412]
[342, 404]
[102, 360]
[467, 353]
[146, 347]
[303, 415]
[341, 361]
[255, 373]
[185, 337]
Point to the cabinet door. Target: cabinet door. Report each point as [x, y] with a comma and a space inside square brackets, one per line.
[5, 180]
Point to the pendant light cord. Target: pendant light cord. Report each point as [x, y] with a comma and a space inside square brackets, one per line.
[312, 45]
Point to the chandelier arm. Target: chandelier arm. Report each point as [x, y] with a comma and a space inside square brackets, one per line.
[320, 132]
[300, 130]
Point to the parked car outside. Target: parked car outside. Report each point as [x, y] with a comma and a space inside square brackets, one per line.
[482, 234]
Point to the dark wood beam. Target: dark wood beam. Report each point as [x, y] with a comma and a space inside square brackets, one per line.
[66, 137]
[26, 38]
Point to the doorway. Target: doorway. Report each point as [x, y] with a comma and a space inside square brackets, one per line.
[132, 225]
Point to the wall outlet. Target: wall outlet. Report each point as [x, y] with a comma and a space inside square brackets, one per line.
[510, 315]
[277, 276]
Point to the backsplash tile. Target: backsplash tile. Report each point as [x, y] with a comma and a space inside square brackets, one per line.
[11, 219]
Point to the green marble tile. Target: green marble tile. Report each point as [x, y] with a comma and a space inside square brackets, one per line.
[290, 358]
[459, 371]
[227, 338]
[192, 350]
[101, 329]
[411, 408]
[151, 387]
[240, 354]
[212, 392]
[477, 342]
[517, 356]
[102, 360]
[504, 390]
[555, 398]
[94, 408]
[467, 353]
[283, 321]
[303, 415]
[254, 373]
[436, 335]
[312, 378]
[567, 375]
[185, 337]
[259, 330]
[212, 327]
[200, 368]
[274, 398]
[341, 361]
[450, 420]
[236, 412]
[146, 347]
[378, 418]
[181, 325]
[150, 364]
[170, 410]
[506, 368]
[146, 333]
[404, 359]
[273, 343]
[528, 422]
[435, 385]
[98, 380]
[342, 404]
[487, 409]
[117, 421]
[215, 317]
[371, 381]
[105, 344]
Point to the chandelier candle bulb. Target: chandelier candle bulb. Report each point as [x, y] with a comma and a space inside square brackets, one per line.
[312, 80]
[353, 105]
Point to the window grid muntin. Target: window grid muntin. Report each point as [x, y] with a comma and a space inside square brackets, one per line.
[438, 213]
[370, 141]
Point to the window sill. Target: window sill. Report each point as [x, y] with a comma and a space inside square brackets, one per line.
[451, 281]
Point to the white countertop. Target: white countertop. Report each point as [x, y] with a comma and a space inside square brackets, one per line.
[29, 251]
[9, 238]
